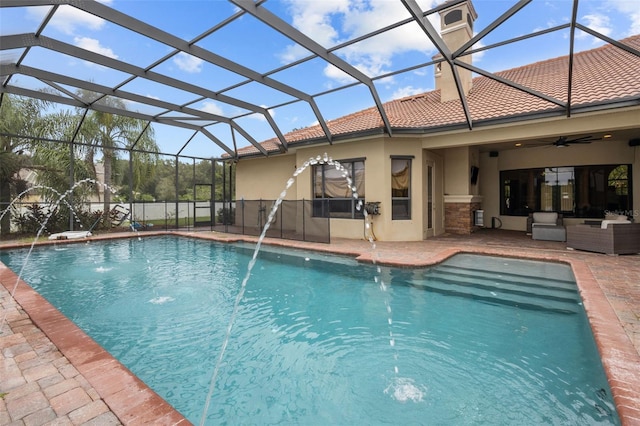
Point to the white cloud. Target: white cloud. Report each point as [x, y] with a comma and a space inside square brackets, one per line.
[477, 57]
[631, 10]
[212, 108]
[261, 117]
[68, 19]
[597, 22]
[403, 92]
[188, 63]
[293, 52]
[93, 45]
[610, 18]
[330, 22]
[72, 21]
[338, 75]
[314, 18]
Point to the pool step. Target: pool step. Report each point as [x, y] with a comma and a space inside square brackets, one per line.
[522, 269]
[537, 284]
[503, 288]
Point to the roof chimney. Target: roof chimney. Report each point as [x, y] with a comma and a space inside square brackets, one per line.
[456, 25]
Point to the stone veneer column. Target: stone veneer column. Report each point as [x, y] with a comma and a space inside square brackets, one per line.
[459, 211]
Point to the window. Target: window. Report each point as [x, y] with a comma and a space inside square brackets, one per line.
[400, 188]
[579, 191]
[331, 192]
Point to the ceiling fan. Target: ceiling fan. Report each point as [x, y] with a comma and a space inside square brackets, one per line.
[564, 141]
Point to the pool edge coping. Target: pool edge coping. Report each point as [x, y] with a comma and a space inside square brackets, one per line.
[91, 360]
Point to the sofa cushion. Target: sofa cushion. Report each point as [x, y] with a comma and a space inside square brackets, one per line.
[606, 223]
[545, 217]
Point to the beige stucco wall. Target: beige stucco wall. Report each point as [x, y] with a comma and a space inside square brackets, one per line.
[455, 152]
[456, 170]
[403, 230]
[549, 128]
[266, 178]
[377, 186]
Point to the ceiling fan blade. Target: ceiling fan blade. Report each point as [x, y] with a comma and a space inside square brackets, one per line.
[564, 141]
[584, 139]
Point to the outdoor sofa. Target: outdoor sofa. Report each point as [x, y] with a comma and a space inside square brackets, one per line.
[618, 236]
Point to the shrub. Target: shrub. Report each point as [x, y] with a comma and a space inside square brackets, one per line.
[226, 216]
[37, 217]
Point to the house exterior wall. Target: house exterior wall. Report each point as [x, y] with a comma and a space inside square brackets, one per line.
[455, 33]
[369, 149]
[266, 178]
[410, 229]
[456, 175]
[461, 197]
[456, 198]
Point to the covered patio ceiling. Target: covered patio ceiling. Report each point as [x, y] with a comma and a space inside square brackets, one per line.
[255, 70]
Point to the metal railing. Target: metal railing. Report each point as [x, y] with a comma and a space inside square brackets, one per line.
[294, 219]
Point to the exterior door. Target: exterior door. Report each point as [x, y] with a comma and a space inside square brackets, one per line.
[203, 204]
[429, 198]
[432, 195]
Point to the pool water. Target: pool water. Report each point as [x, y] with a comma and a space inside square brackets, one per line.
[316, 341]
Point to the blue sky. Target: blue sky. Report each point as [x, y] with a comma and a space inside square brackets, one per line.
[252, 44]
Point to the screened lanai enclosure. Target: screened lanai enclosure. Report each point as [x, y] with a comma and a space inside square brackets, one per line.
[134, 114]
[155, 192]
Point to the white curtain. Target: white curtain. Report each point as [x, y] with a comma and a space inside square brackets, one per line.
[335, 185]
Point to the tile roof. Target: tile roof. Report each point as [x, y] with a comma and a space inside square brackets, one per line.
[603, 74]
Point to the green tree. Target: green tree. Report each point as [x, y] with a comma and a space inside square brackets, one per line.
[106, 135]
[19, 117]
[163, 186]
[55, 160]
[27, 128]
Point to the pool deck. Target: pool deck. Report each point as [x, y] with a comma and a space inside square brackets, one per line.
[52, 373]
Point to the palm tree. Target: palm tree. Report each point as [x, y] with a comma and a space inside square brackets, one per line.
[101, 135]
[56, 160]
[19, 117]
[105, 135]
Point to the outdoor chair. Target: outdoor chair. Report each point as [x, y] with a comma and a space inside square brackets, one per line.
[546, 226]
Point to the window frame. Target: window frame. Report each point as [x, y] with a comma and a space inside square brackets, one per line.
[586, 189]
[322, 205]
[401, 201]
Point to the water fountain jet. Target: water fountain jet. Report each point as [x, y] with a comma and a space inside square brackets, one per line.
[401, 389]
[62, 198]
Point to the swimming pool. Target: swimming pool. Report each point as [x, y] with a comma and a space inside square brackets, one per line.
[311, 342]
